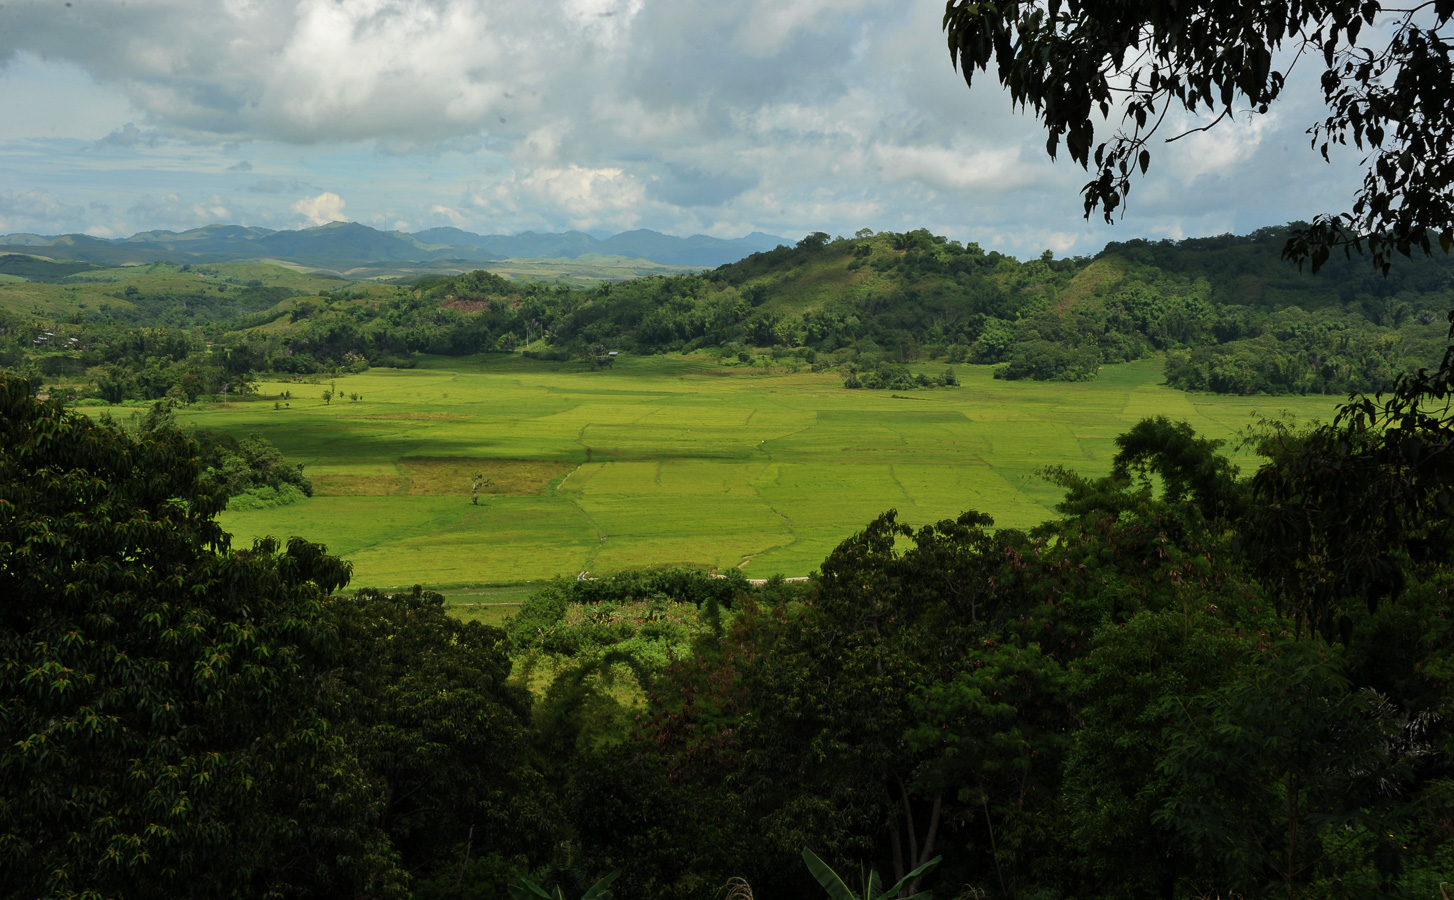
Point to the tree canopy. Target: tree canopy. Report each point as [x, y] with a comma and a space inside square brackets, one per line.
[157, 685]
[1141, 59]
[180, 718]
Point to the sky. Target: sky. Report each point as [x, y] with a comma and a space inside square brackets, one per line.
[718, 117]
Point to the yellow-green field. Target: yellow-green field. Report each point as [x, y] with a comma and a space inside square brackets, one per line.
[674, 461]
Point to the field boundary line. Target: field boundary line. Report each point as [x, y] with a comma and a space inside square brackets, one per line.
[792, 534]
[601, 535]
[903, 490]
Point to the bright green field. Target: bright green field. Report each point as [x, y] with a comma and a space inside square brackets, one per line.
[671, 460]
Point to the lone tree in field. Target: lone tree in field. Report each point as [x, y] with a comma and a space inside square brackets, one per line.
[1392, 97]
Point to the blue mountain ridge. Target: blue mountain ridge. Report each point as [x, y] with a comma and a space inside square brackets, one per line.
[351, 242]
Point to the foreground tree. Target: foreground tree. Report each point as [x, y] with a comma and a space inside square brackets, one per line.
[421, 699]
[158, 732]
[1140, 59]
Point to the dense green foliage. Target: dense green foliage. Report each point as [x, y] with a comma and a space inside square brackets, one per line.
[252, 471]
[153, 679]
[642, 614]
[181, 718]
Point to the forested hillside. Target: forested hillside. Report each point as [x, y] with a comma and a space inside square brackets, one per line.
[1227, 312]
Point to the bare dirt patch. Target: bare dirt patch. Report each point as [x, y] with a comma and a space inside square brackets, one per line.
[466, 306]
[436, 476]
[356, 485]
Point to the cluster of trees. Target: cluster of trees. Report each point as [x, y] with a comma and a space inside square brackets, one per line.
[118, 362]
[252, 471]
[643, 617]
[1189, 683]
[885, 375]
[1301, 357]
[477, 312]
[1233, 329]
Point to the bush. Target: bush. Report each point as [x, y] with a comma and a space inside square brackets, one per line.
[639, 612]
[265, 497]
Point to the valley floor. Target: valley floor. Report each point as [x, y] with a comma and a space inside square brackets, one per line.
[672, 460]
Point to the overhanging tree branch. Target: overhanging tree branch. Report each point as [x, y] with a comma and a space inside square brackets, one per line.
[1066, 60]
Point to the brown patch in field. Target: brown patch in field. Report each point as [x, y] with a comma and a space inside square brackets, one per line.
[356, 485]
[443, 476]
[466, 306]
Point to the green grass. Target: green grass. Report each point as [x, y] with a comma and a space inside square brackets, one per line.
[670, 460]
[497, 614]
[487, 604]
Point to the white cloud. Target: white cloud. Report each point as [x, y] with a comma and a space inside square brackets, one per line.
[454, 216]
[129, 136]
[1060, 241]
[322, 209]
[26, 210]
[996, 170]
[386, 67]
[574, 196]
[769, 24]
[1222, 150]
[173, 211]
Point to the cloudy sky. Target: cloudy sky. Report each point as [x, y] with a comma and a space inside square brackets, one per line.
[498, 116]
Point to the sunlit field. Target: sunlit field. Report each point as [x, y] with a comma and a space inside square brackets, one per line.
[669, 460]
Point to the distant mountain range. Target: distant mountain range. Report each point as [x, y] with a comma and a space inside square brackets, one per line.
[349, 244]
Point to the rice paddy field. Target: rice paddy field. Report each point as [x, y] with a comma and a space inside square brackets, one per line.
[673, 460]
